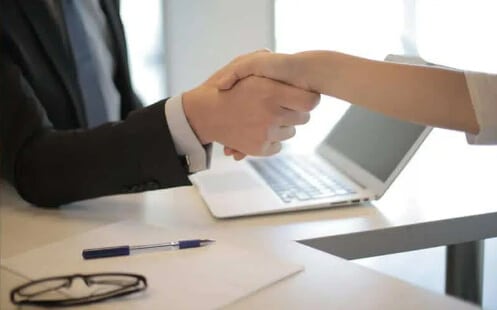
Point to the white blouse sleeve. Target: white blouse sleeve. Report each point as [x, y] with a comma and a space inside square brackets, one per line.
[483, 92]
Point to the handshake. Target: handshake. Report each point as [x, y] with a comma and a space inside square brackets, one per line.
[247, 113]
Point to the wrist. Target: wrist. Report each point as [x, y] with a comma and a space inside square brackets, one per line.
[197, 112]
[300, 68]
[319, 70]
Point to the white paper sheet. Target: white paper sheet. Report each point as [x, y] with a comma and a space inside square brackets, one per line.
[201, 278]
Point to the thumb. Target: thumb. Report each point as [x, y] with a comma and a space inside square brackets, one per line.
[238, 69]
[228, 79]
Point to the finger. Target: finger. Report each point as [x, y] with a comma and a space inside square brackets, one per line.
[292, 118]
[297, 99]
[226, 70]
[228, 76]
[228, 151]
[282, 133]
[261, 63]
[238, 155]
[273, 148]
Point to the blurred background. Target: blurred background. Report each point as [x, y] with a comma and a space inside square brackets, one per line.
[176, 44]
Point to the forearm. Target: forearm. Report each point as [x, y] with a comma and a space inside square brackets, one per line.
[50, 167]
[57, 167]
[428, 95]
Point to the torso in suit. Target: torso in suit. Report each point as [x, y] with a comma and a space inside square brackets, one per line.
[46, 149]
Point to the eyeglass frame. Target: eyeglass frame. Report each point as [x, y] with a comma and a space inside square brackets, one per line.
[121, 291]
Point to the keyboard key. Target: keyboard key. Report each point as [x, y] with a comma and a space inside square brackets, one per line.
[302, 196]
[297, 179]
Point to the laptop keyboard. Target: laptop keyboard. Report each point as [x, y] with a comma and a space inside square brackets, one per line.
[296, 178]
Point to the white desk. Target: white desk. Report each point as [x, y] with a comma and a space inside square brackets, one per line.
[413, 215]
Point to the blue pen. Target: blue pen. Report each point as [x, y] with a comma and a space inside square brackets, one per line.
[124, 250]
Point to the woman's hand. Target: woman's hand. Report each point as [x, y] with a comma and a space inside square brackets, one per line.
[284, 68]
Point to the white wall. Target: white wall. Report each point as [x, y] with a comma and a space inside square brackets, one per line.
[143, 26]
[203, 35]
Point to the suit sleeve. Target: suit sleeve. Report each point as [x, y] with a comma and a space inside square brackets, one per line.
[51, 167]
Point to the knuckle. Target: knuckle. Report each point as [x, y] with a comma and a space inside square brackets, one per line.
[276, 148]
[293, 132]
[316, 99]
[311, 102]
[265, 136]
[278, 118]
[305, 117]
[262, 138]
[267, 88]
[271, 118]
[263, 149]
[293, 118]
[308, 106]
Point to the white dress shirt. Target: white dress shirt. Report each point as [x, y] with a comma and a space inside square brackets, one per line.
[483, 92]
[185, 141]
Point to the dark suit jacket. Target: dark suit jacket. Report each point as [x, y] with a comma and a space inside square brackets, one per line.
[46, 150]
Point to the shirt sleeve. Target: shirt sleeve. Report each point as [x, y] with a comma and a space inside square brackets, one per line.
[185, 141]
[482, 89]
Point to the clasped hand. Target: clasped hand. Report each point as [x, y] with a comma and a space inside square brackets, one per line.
[250, 116]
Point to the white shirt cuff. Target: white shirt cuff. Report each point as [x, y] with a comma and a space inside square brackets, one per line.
[185, 141]
[482, 89]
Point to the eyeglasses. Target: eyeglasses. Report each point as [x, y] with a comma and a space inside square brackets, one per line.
[99, 287]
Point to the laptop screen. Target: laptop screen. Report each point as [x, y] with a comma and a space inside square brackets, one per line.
[373, 141]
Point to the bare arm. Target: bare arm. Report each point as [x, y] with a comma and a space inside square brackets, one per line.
[428, 95]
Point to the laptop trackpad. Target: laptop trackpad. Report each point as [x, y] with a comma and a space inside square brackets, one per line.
[229, 181]
[235, 192]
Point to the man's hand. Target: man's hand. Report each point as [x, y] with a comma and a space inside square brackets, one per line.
[263, 63]
[252, 117]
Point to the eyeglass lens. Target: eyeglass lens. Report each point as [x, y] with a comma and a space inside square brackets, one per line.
[41, 287]
[80, 288]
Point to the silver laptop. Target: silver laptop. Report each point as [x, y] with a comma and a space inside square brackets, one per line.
[358, 160]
